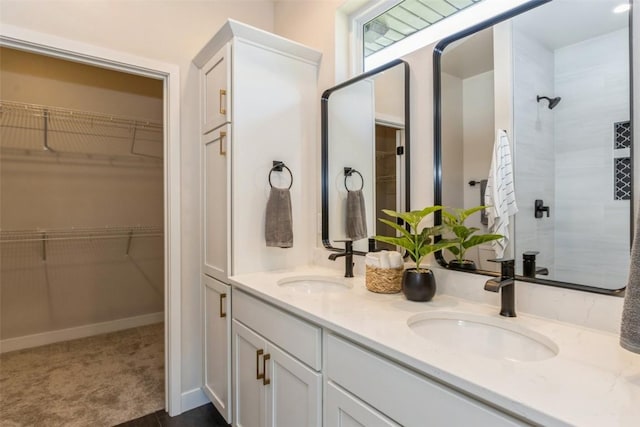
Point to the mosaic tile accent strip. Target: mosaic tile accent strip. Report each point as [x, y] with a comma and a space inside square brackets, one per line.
[622, 180]
[622, 135]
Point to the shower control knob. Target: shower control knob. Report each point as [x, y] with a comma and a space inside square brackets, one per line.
[539, 208]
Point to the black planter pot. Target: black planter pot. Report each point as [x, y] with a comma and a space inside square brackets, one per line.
[418, 286]
[464, 265]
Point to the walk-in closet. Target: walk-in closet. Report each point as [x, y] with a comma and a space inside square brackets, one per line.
[81, 243]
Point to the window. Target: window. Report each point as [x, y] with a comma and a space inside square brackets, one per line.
[407, 18]
[389, 29]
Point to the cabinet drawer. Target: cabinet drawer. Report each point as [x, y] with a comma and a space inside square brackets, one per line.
[402, 395]
[301, 339]
[344, 410]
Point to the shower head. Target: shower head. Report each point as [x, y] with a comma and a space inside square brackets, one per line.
[552, 101]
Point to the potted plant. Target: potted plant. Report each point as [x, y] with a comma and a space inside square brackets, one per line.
[464, 237]
[418, 284]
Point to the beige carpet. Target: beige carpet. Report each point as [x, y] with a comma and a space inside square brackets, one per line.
[96, 381]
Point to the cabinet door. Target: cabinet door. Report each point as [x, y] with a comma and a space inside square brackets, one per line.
[343, 410]
[217, 344]
[215, 190]
[215, 90]
[294, 392]
[249, 365]
[416, 399]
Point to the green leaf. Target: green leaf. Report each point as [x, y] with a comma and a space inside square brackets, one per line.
[425, 236]
[449, 218]
[429, 210]
[413, 218]
[454, 250]
[472, 230]
[396, 226]
[427, 249]
[461, 232]
[480, 239]
[434, 231]
[403, 242]
[465, 214]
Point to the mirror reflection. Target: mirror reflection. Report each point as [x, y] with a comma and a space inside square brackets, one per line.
[365, 130]
[560, 89]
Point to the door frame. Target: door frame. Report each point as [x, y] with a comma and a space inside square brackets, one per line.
[53, 46]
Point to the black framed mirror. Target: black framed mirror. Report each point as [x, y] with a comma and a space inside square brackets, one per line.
[365, 129]
[561, 89]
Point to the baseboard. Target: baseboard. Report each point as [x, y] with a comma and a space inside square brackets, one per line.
[35, 340]
[193, 398]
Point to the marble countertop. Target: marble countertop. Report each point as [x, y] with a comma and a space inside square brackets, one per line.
[592, 381]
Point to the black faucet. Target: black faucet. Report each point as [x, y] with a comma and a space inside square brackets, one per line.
[507, 284]
[348, 254]
[529, 268]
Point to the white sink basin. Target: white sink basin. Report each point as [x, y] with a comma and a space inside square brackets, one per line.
[315, 284]
[483, 335]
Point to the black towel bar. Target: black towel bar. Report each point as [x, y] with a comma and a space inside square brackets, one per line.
[347, 173]
[278, 166]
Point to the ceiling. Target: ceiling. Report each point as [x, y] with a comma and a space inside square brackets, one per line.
[565, 22]
[470, 56]
[556, 24]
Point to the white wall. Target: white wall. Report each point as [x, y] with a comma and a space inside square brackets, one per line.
[478, 136]
[352, 119]
[389, 95]
[452, 141]
[172, 32]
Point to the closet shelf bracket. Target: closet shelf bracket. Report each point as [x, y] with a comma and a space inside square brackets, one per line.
[44, 247]
[129, 242]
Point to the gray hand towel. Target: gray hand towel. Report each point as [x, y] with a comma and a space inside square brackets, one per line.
[278, 231]
[356, 215]
[630, 328]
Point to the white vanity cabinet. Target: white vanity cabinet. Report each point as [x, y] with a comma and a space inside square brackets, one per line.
[258, 99]
[258, 103]
[399, 395]
[217, 353]
[276, 375]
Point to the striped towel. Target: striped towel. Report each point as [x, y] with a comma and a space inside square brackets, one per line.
[500, 193]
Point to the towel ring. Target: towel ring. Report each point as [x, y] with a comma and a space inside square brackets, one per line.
[277, 167]
[347, 173]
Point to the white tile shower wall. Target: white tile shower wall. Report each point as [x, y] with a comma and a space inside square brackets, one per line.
[533, 142]
[592, 78]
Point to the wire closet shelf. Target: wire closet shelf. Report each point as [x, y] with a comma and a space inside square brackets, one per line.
[44, 132]
[43, 236]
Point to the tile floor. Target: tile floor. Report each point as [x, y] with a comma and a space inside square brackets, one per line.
[203, 416]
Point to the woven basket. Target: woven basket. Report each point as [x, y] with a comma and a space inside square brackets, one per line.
[384, 280]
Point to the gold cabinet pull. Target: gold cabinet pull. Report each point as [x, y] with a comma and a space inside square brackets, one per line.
[265, 380]
[223, 93]
[222, 312]
[222, 136]
[259, 376]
